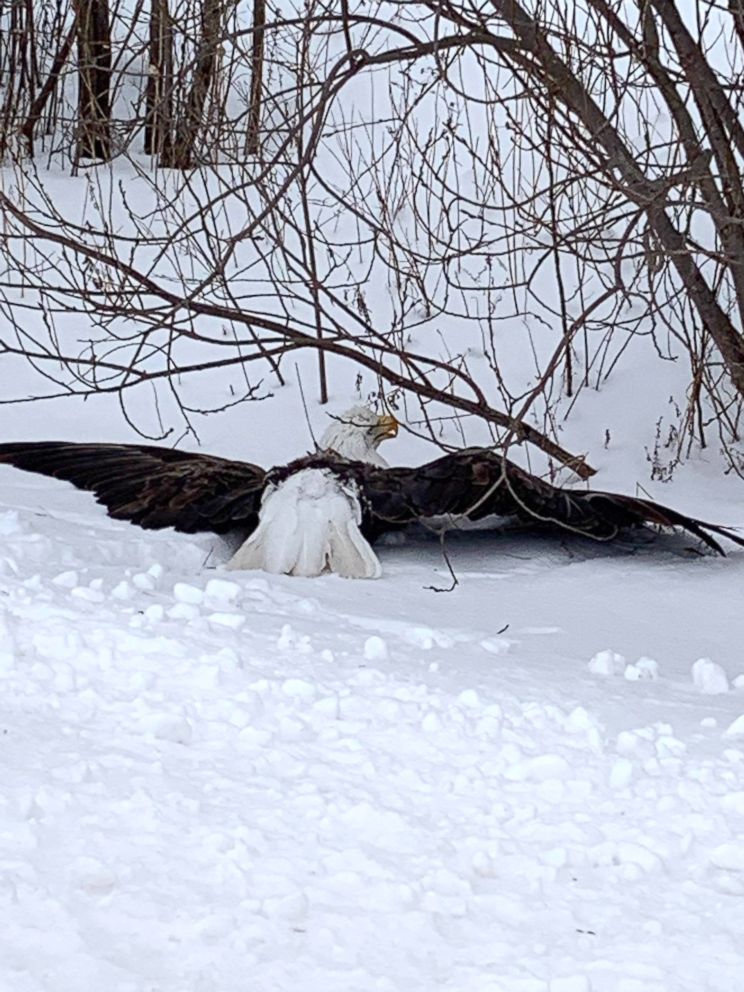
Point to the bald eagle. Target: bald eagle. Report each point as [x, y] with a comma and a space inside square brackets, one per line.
[319, 513]
[311, 519]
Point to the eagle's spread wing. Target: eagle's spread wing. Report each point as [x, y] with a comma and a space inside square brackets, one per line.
[478, 482]
[161, 487]
[151, 486]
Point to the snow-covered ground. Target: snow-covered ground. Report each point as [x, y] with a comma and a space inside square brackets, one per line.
[228, 782]
[220, 782]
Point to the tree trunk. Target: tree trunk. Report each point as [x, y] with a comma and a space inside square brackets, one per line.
[253, 144]
[94, 77]
[18, 70]
[37, 107]
[183, 154]
[159, 96]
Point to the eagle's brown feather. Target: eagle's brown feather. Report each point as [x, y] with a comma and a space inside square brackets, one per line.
[152, 486]
[162, 487]
[479, 482]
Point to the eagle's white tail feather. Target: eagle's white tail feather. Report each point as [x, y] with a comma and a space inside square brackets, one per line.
[350, 554]
[309, 524]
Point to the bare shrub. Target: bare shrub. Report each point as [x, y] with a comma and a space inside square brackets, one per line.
[427, 190]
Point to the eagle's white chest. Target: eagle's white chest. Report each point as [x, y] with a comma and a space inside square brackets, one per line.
[309, 524]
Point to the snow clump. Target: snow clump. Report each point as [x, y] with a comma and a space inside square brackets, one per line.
[709, 677]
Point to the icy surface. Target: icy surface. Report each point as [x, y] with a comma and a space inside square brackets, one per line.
[214, 781]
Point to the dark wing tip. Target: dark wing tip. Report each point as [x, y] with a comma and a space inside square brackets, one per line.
[151, 486]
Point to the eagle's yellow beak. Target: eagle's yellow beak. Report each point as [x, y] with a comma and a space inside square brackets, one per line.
[387, 426]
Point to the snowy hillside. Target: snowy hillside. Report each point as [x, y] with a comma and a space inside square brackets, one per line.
[221, 781]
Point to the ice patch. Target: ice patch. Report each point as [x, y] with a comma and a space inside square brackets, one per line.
[709, 677]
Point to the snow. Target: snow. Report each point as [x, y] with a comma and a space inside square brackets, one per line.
[709, 677]
[737, 727]
[327, 784]
[217, 780]
[220, 781]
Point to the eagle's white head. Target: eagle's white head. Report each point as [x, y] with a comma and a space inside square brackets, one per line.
[357, 434]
